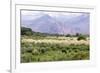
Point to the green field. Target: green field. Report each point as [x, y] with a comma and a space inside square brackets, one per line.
[38, 47]
[42, 50]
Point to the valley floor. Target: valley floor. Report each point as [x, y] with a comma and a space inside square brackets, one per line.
[54, 49]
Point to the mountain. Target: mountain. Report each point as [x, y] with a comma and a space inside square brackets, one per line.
[58, 25]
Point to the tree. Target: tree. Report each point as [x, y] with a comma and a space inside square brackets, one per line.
[81, 37]
[77, 34]
[26, 31]
[68, 35]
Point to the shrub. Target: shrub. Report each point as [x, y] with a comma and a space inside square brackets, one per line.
[68, 35]
[27, 57]
[81, 37]
[26, 31]
[39, 52]
[43, 50]
[63, 50]
[35, 52]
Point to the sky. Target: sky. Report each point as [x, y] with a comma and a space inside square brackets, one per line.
[71, 22]
[28, 15]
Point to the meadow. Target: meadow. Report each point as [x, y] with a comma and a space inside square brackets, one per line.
[53, 48]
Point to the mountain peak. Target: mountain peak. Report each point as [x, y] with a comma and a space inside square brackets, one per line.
[53, 25]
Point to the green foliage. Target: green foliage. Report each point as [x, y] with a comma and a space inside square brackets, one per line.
[81, 37]
[26, 31]
[68, 35]
[26, 57]
[40, 52]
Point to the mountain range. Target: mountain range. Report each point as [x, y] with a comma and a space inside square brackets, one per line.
[61, 24]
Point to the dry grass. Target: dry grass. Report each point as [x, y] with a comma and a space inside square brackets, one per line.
[60, 40]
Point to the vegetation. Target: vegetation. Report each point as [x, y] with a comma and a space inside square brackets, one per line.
[26, 31]
[81, 37]
[40, 47]
[68, 35]
[34, 52]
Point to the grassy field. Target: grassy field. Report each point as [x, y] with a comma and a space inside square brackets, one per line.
[52, 48]
[60, 40]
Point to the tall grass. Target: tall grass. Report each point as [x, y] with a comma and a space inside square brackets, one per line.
[41, 52]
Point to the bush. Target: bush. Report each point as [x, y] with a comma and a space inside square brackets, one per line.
[26, 31]
[81, 37]
[35, 52]
[40, 52]
[27, 57]
[68, 35]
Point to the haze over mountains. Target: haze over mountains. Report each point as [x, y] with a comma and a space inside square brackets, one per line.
[56, 22]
